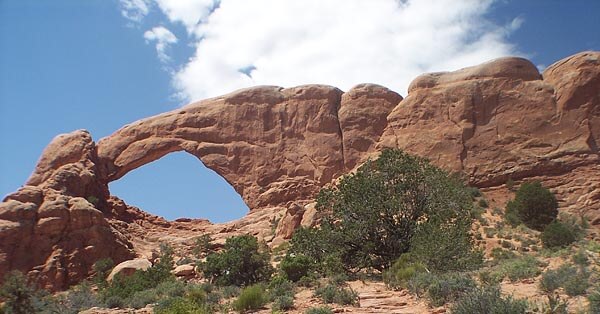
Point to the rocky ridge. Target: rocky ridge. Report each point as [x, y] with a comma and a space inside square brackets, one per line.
[277, 146]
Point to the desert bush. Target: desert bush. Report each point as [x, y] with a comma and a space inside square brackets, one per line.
[181, 305]
[402, 271]
[555, 278]
[488, 300]
[577, 284]
[203, 245]
[449, 288]
[240, 263]
[384, 209]
[557, 235]
[336, 292]
[18, 296]
[102, 268]
[499, 254]
[521, 268]
[231, 291]
[295, 266]
[121, 288]
[483, 203]
[251, 298]
[534, 205]
[594, 301]
[580, 258]
[280, 286]
[283, 303]
[319, 310]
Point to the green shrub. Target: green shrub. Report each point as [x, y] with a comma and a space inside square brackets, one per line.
[580, 258]
[332, 293]
[449, 288]
[488, 300]
[594, 301]
[101, 269]
[203, 245]
[240, 263]
[499, 254]
[557, 235]
[578, 284]
[231, 291]
[283, 303]
[474, 191]
[402, 271]
[295, 266]
[319, 310]
[121, 288]
[251, 298]
[280, 286]
[534, 205]
[389, 206]
[420, 282]
[140, 299]
[483, 203]
[17, 294]
[521, 268]
[555, 278]
[181, 305]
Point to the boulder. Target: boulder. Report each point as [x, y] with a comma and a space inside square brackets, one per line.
[127, 268]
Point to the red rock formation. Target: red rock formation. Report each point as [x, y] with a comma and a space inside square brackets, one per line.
[278, 146]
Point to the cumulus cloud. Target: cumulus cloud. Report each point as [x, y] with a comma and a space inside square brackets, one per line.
[134, 10]
[163, 38]
[240, 43]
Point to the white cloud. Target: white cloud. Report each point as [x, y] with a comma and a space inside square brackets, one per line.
[337, 42]
[134, 10]
[163, 38]
[187, 12]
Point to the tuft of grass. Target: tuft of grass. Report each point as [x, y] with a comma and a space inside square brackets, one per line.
[251, 298]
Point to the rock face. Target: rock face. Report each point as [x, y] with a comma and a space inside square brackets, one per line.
[277, 146]
[52, 227]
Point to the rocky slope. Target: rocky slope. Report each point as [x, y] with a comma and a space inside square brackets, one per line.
[277, 146]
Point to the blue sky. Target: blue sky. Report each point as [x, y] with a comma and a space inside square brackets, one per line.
[100, 64]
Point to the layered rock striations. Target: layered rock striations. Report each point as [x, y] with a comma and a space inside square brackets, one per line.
[277, 146]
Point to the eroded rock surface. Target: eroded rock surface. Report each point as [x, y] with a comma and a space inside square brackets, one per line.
[278, 146]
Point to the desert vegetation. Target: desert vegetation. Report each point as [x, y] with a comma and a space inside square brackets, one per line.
[397, 220]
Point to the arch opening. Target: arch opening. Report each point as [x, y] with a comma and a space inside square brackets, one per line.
[179, 185]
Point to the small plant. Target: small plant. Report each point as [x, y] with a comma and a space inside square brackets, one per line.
[240, 263]
[17, 294]
[231, 291]
[331, 293]
[283, 303]
[499, 255]
[101, 269]
[483, 203]
[295, 266]
[578, 284]
[474, 191]
[280, 287]
[580, 258]
[521, 268]
[557, 235]
[488, 300]
[594, 301]
[251, 298]
[402, 271]
[510, 184]
[555, 278]
[534, 205]
[319, 310]
[449, 288]
[203, 245]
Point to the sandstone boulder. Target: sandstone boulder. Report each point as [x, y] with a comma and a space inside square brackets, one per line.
[127, 268]
[187, 270]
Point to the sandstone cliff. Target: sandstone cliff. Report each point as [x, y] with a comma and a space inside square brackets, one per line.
[277, 146]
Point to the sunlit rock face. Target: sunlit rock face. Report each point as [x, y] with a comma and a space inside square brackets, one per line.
[278, 146]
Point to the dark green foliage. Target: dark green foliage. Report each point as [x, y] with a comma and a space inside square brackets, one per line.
[474, 191]
[420, 282]
[402, 271]
[488, 300]
[483, 203]
[521, 268]
[251, 298]
[283, 303]
[203, 245]
[578, 284]
[332, 293]
[181, 305]
[296, 266]
[594, 301]
[558, 234]
[380, 212]
[319, 310]
[240, 263]
[534, 205]
[102, 268]
[449, 288]
[120, 289]
[555, 278]
[280, 286]
[17, 294]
